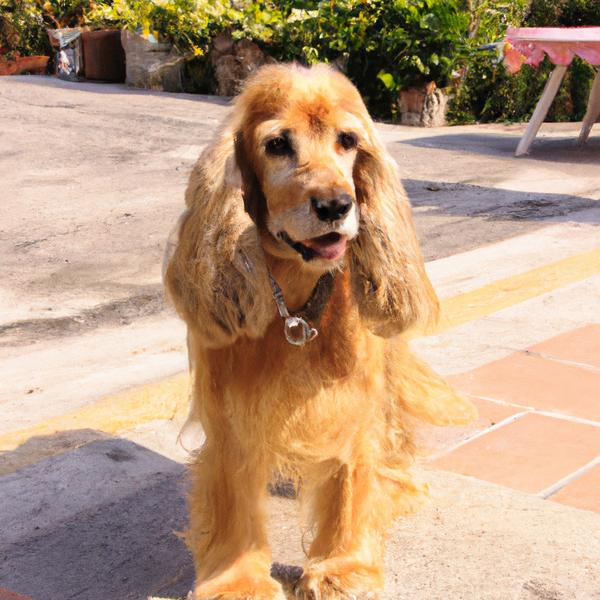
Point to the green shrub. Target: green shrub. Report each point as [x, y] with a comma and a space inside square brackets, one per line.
[22, 29]
[564, 13]
[383, 45]
[189, 25]
[23, 23]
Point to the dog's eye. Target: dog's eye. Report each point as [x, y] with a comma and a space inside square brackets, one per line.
[278, 146]
[347, 141]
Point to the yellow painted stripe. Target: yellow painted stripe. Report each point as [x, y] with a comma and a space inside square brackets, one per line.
[159, 400]
[167, 398]
[507, 292]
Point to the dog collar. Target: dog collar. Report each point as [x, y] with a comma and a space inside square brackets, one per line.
[298, 330]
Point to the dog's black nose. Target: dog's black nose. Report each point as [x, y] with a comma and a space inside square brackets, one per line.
[332, 210]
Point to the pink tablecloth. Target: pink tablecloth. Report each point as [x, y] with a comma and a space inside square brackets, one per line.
[529, 45]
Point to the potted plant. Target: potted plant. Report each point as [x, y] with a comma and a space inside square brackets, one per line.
[426, 61]
[24, 64]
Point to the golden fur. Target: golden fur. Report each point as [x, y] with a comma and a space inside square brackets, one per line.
[333, 414]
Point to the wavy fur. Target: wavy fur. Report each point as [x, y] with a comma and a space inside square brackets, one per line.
[336, 413]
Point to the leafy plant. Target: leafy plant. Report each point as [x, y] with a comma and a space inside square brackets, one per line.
[23, 23]
[383, 45]
[22, 29]
[189, 25]
[60, 14]
[564, 13]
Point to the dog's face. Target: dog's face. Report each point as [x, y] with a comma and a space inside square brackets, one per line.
[307, 162]
[303, 155]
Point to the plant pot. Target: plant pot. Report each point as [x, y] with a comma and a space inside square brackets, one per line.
[33, 64]
[103, 55]
[424, 106]
[24, 64]
[8, 67]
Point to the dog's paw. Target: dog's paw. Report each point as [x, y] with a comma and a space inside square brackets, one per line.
[334, 587]
[269, 591]
[235, 596]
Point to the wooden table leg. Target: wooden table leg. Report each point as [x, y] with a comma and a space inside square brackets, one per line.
[593, 110]
[541, 110]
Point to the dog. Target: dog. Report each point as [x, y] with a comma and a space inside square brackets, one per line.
[298, 273]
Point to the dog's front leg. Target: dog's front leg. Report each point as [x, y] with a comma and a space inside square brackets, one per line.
[346, 556]
[227, 534]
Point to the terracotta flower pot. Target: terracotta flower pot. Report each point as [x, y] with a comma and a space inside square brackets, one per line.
[24, 64]
[33, 64]
[8, 67]
[423, 106]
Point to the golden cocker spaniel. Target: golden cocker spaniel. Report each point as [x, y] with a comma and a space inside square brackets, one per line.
[296, 265]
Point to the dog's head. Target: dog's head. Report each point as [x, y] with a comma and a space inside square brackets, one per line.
[323, 190]
[299, 136]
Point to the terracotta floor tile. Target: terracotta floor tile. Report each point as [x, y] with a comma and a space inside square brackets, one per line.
[529, 454]
[491, 413]
[8, 595]
[433, 440]
[584, 492]
[532, 381]
[580, 345]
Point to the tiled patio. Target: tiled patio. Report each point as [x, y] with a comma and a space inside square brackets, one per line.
[539, 424]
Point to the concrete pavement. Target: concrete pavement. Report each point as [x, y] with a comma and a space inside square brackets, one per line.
[92, 364]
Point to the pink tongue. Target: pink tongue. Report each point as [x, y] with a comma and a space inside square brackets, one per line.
[329, 251]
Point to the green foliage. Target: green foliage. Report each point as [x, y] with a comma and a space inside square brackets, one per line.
[23, 23]
[491, 94]
[564, 13]
[22, 29]
[190, 25]
[65, 13]
[383, 45]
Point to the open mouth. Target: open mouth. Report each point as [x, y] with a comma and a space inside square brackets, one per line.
[330, 246]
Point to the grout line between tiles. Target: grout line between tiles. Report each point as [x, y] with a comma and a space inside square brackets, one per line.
[561, 483]
[551, 357]
[580, 420]
[479, 434]
[496, 401]
[562, 361]
[536, 411]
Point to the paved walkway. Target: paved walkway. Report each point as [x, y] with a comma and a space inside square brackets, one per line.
[536, 381]
[91, 479]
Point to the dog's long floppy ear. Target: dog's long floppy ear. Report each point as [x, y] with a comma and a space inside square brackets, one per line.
[254, 201]
[216, 275]
[388, 273]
